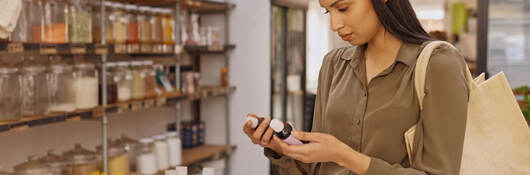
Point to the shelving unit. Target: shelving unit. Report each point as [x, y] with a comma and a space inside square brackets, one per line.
[103, 50]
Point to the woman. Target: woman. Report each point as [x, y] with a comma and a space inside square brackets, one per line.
[366, 100]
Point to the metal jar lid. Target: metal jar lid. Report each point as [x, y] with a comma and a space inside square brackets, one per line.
[54, 160]
[79, 155]
[32, 167]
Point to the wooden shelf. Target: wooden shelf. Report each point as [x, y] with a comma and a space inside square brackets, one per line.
[209, 49]
[198, 6]
[96, 113]
[204, 153]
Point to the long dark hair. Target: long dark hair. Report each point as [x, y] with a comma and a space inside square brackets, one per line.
[399, 19]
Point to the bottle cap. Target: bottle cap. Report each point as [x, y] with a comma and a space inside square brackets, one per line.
[276, 125]
[253, 120]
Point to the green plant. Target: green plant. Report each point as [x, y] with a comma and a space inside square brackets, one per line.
[525, 90]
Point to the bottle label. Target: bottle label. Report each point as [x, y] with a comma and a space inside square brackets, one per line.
[292, 141]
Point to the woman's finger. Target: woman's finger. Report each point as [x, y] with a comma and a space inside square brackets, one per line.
[256, 136]
[265, 140]
[247, 128]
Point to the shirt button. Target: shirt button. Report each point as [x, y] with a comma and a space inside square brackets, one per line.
[358, 122]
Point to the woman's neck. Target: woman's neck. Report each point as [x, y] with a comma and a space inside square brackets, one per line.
[383, 48]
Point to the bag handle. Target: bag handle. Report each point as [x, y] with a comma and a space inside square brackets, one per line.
[421, 70]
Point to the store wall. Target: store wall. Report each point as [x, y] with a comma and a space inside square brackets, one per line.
[249, 71]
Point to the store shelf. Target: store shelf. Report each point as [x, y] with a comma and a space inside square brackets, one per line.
[198, 6]
[205, 152]
[160, 101]
[209, 49]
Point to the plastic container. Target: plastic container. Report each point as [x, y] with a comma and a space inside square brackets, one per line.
[138, 81]
[145, 25]
[119, 24]
[161, 151]
[81, 161]
[96, 22]
[61, 88]
[86, 86]
[158, 29]
[55, 21]
[10, 98]
[132, 25]
[80, 21]
[57, 164]
[174, 149]
[146, 161]
[35, 98]
[125, 84]
[32, 167]
[168, 24]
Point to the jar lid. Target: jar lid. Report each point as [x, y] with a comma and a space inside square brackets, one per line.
[119, 5]
[148, 62]
[123, 63]
[136, 63]
[84, 66]
[147, 140]
[160, 137]
[131, 7]
[111, 64]
[33, 69]
[168, 11]
[127, 143]
[172, 134]
[54, 160]
[144, 8]
[60, 67]
[79, 155]
[114, 149]
[110, 4]
[32, 166]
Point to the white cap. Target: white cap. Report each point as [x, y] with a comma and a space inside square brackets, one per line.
[171, 134]
[143, 8]
[136, 63]
[119, 5]
[207, 171]
[109, 4]
[148, 62]
[253, 120]
[130, 7]
[277, 125]
[160, 137]
[146, 140]
[111, 64]
[123, 63]
[182, 170]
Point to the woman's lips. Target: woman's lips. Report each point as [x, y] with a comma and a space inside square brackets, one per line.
[345, 37]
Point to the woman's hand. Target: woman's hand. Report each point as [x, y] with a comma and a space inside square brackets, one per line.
[324, 148]
[262, 135]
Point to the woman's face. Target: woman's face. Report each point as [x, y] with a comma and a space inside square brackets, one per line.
[354, 21]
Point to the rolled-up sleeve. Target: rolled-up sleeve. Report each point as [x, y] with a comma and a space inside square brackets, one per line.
[439, 138]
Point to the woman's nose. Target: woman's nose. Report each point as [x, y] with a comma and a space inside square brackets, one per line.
[336, 23]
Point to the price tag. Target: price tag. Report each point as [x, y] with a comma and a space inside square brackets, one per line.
[48, 49]
[167, 48]
[120, 48]
[123, 107]
[98, 112]
[157, 48]
[19, 128]
[136, 105]
[73, 118]
[161, 102]
[149, 103]
[146, 48]
[215, 48]
[101, 49]
[133, 48]
[15, 47]
[78, 49]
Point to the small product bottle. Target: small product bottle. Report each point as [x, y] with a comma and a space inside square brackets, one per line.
[283, 131]
[255, 121]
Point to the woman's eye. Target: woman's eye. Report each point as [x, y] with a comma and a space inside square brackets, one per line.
[326, 12]
[343, 9]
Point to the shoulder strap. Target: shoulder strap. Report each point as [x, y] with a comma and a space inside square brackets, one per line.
[421, 70]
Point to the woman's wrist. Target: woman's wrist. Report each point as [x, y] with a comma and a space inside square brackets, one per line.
[353, 160]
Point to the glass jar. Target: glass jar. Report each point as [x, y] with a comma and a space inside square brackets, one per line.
[81, 161]
[158, 30]
[138, 80]
[55, 21]
[23, 29]
[146, 160]
[112, 84]
[80, 21]
[86, 86]
[118, 163]
[174, 149]
[131, 147]
[96, 22]
[10, 100]
[34, 95]
[125, 81]
[32, 167]
[132, 25]
[57, 164]
[168, 23]
[160, 149]
[145, 25]
[150, 79]
[61, 88]
[119, 25]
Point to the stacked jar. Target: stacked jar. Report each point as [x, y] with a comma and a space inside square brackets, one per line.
[10, 100]
[34, 96]
[118, 162]
[146, 161]
[86, 86]
[29, 23]
[131, 146]
[145, 25]
[82, 161]
[174, 149]
[57, 164]
[150, 79]
[138, 80]
[168, 23]
[55, 21]
[32, 167]
[160, 149]
[61, 88]
[119, 25]
[132, 26]
[125, 83]
[112, 83]
[80, 22]
[157, 26]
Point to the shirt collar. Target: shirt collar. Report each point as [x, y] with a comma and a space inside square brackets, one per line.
[407, 54]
